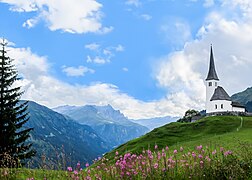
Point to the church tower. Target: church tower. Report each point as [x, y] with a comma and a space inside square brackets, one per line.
[211, 81]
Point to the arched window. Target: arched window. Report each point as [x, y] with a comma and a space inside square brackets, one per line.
[210, 83]
[216, 106]
[221, 106]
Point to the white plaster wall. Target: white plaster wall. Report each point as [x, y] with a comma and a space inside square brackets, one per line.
[226, 106]
[238, 109]
[210, 92]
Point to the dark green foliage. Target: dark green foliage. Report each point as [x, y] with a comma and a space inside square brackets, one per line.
[190, 115]
[13, 149]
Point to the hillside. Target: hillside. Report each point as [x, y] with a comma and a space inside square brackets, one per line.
[244, 98]
[60, 138]
[213, 130]
[110, 124]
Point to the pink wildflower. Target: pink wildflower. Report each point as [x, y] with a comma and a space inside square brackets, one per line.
[200, 156]
[175, 151]
[227, 153]
[181, 149]
[155, 165]
[87, 164]
[199, 147]
[156, 146]
[70, 169]
[75, 172]
[116, 153]
[166, 148]
[214, 152]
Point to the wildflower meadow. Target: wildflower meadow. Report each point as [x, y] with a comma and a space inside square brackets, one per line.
[202, 162]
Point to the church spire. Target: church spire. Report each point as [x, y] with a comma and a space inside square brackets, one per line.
[212, 75]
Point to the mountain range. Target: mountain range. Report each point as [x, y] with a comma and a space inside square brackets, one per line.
[109, 124]
[60, 140]
[153, 123]
[244, 98]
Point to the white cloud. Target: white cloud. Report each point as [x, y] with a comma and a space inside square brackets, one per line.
[97, 60]
[102, 55]
[184, 71]
[176, 31]
[208, 3]
[92, 46]
[125, 69]
[146, 17]
[74, 16]
[119, 48]
[136, 3]
[76, 71]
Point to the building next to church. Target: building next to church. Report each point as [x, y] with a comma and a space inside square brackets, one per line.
[217, 99]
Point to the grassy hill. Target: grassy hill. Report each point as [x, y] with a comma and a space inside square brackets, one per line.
[226, 131]
[231, 132]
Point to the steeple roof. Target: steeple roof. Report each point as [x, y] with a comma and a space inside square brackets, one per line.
[220, 94]
[212, 75]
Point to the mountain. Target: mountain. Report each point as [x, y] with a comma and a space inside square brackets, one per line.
[155, 122]
[109, 124]
[212, 131]
[62, 139]
[244, 98]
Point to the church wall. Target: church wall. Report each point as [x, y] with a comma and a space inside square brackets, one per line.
[238, 109]
[211, 85]
[219, 106]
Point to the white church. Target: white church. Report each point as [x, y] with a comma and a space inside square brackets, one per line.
[217, 99]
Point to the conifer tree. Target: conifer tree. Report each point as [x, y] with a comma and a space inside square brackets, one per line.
[13, 115]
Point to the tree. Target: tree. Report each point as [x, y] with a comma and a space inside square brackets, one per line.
[13, 115]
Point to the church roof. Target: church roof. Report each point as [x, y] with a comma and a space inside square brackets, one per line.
[212, 75]
[236, 104]
[220, 94]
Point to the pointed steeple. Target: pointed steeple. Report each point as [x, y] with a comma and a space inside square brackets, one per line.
[212, 75]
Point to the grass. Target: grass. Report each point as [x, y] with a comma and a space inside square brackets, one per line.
[209, 132]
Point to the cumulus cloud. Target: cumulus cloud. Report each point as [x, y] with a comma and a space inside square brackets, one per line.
[176, 31]
[136, 3]
[102, 55]
[77, 71]
[45, 89]
[184, 71]
[125, 69]
[92, 46]
[146, 17]
[84, 15]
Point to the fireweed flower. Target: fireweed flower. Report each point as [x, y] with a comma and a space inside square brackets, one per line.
[199, 147]
[166, 148]
[70, 169]
[116, 153]
[200, 156]
[181, 149]
[175, 151]
[87, 164]
[155, 165]
[214, 152]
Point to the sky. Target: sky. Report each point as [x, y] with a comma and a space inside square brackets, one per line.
[146, 58]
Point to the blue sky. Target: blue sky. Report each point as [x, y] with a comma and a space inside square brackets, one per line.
[146, 58]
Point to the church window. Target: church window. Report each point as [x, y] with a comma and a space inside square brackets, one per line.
[210, 83]
[215, 84]
[221, 106]
[216, 106]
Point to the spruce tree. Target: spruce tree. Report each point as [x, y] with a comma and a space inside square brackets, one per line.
[14, 149]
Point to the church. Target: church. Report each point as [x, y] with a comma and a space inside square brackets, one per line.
[217, 99]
